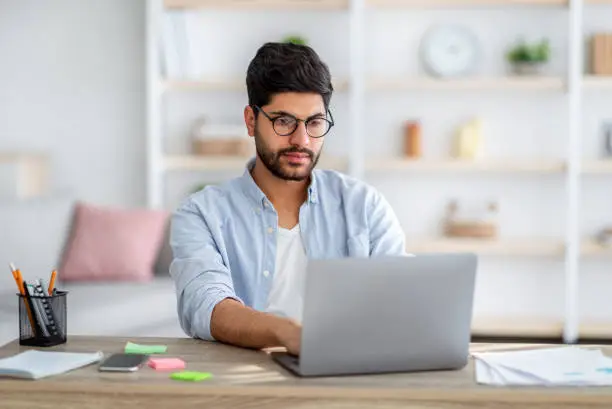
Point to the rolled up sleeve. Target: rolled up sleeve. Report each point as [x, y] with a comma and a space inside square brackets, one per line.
[201, 277]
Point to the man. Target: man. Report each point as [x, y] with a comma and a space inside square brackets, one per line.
[241, 248]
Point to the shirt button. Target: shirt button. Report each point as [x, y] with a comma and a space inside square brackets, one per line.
[266, 273]
[270, 230]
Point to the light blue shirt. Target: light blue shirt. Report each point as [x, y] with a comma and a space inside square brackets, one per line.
[224, 239]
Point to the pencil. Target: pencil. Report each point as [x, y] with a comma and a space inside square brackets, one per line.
[16, 277]
[52, 282]
[20, 286]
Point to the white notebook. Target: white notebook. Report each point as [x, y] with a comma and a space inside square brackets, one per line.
[566, 366]
[34, 364]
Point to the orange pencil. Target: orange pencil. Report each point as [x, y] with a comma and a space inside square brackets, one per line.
[19, 280]
[16, 277]
[52, 282]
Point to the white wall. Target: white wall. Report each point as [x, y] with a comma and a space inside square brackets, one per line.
[72, 85]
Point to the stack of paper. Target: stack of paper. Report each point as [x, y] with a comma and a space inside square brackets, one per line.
[565, 366]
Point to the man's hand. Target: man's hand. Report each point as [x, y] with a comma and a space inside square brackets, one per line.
[289, 335]
[235, 324]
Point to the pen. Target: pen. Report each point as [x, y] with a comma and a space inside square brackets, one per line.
[52, 282]
[46, 308]
[37, 308]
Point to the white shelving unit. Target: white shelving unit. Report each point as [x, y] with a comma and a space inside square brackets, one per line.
[463, 3]
[470, 84]
[528, 327]
[592, 82]
[592, 248]
[516, 247]
[358, 86]
[258, 4]
[234, 163]
[225, 84]
[542, 166]
[597, 167]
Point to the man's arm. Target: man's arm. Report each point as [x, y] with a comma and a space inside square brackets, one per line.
[207, 304]
[235, 324]
[387, 237]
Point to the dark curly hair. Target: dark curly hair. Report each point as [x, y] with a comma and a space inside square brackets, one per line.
[287, 67]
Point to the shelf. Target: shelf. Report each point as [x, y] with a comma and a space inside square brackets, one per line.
[595, 330]
[208, 85]
[475, 83]
[399, 84]
[462, 3]
[502, 83]
[226, 84]
[602, 166]
[487, 247]
[210, 163]
[527, 327]
[258, 4]
[456, 165]
[198, 163]
[591, 247]
[344, 4]
[597, 81]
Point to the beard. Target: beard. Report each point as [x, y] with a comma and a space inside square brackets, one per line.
[285, 171]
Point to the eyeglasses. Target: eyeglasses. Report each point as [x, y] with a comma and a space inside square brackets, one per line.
[285, 124]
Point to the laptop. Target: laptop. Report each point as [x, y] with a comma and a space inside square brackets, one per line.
[384, 315]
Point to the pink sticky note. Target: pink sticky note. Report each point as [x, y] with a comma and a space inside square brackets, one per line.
[165, 364]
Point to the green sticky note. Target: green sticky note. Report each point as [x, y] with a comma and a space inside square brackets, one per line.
[131, 348]
[190, 376]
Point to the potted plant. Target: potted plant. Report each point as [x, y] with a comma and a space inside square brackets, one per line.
[529, 58]
[295, 39]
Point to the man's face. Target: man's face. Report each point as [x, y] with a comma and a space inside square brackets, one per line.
[294, 156]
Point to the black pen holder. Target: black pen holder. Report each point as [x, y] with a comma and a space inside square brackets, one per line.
[42, 319]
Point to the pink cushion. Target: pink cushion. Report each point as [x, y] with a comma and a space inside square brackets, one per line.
[111, 244]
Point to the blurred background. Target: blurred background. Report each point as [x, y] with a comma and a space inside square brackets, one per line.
[487, 124]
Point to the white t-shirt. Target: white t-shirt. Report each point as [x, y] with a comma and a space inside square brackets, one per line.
[287, 292]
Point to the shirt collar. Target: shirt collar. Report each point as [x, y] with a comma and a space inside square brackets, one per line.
[253, 191]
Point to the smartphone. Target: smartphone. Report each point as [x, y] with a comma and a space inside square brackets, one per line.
[123, 363]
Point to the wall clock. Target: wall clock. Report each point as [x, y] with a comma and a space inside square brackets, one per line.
[449, 51]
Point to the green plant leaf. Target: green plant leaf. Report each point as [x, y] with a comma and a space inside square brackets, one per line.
[295, 39]
[538, 52]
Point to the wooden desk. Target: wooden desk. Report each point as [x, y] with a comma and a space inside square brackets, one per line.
[249, 379]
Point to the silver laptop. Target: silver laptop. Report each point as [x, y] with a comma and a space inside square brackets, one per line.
[387, 314]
